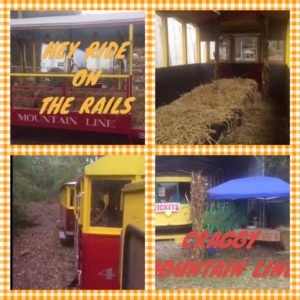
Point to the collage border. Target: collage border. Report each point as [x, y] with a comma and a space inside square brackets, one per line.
[150, 149]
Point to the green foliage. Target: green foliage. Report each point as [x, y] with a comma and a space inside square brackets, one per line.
[277, 166]
[224, 215]
[39, 178]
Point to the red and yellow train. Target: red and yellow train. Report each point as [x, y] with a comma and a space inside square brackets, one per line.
[109, 224]
[67, 219]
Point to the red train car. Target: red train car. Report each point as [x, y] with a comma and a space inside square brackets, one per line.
[100, 217]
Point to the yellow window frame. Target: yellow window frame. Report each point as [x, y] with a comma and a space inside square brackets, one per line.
[86, 205]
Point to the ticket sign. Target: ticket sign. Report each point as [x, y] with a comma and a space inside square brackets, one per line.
[170, 206]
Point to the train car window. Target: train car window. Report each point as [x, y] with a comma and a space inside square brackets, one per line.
[166, 192]
[78, 199]
[276, 51]
[224, 50]
[184, 191]
[72, 197]
[158, 42]
[106, 202]
[246, 49]
[191, 34]
[175, 42]
[212, 49]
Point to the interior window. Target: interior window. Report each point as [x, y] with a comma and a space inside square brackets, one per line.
[158, 42]
[105, 203]
[224, 50]
[72, 197]
[166, 192]
[276, 51]
[175, 42]
[246, 49]
[212, 49]
[191, 34]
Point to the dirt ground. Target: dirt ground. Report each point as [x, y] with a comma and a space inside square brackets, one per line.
[169, 250]
[39, 261]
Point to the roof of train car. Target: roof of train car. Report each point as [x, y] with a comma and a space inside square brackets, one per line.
[68, 183]
[117, 165]
[135, 186]
[79, 21]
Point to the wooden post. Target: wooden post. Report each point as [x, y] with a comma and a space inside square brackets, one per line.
[165, 45]
[34, 62]
[264, 29]
[184, 43]
[217, 56]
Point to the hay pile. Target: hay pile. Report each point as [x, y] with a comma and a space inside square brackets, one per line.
[138, 113]
[189, 119]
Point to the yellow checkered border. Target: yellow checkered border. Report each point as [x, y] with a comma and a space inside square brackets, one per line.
[150, 150]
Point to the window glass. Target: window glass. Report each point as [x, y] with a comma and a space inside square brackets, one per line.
[246, 49]
[105, 203]
[184, 191]
[224, 50]
[158, 42]
[175, 42]
[191, 33]
[166, 192]
[276, 51]
[212, 49]
[107, 65]
[203, 52]
[72, 197]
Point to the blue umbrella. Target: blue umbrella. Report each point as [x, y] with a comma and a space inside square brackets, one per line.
[249, 188]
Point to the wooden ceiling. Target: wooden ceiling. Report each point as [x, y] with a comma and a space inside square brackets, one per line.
[201, 16]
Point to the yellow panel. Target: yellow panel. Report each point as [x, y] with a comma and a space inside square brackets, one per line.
[133, 195]
[131, 49]
[198, 55]
[287, 45]
[182, 217]
[173, 179]
[165, 46]
[134, 205]
[117, 165]
[63, 197]
[184, 43]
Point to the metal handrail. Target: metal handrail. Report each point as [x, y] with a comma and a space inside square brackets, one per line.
[65, 75]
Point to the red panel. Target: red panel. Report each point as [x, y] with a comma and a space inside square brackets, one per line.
[119, 124]
[100, 262]
[67, 219]
[138, 134]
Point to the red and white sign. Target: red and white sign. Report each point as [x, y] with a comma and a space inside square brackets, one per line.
[163, 207]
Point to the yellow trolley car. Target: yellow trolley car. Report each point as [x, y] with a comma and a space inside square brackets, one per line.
[172, 210]
[109, 202]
